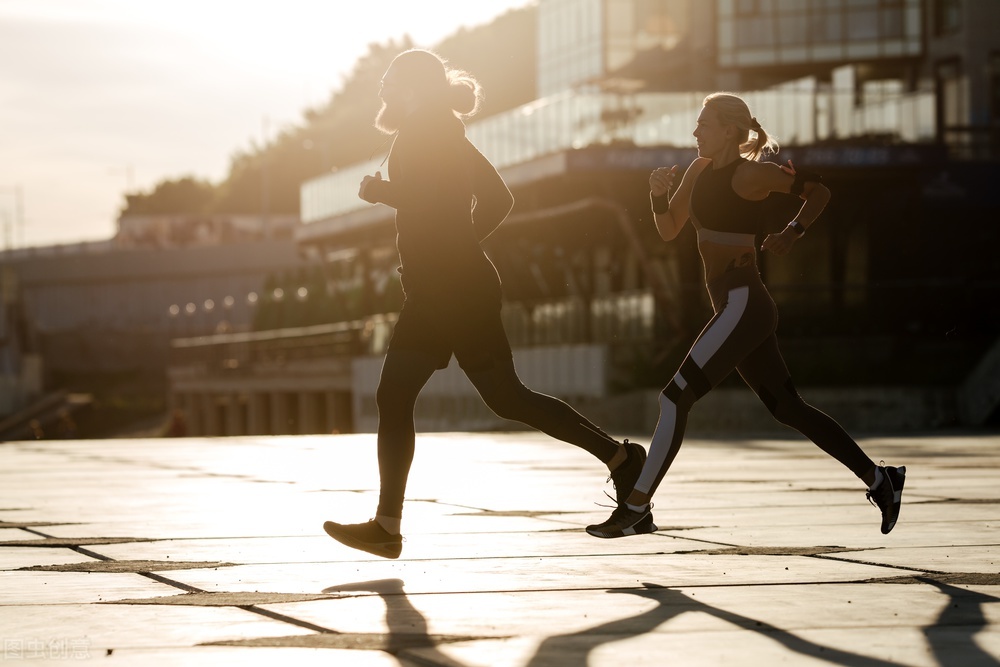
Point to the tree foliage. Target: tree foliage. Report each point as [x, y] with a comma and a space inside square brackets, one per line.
[184, 195]
[502, 56]
[340, 133]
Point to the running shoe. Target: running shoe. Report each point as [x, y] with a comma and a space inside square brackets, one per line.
[888, 495]
[627, 474]
[369, 536]
[623, 522]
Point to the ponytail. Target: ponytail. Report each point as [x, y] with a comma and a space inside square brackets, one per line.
[464, 93]
[732, 110]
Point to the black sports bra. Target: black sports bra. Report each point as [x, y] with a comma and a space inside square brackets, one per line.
[719, 214]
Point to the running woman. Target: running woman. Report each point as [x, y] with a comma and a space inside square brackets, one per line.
[722, 193]
[448, 198]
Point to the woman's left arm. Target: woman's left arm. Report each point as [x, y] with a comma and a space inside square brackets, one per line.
[493, 199]
[806, 185]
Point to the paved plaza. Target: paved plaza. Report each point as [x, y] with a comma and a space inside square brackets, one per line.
[211, 552]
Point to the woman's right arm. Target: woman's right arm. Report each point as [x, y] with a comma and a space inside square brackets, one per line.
[670, 220]
[374, 190]
[421, 170]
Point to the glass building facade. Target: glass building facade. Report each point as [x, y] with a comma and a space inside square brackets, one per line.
[756, 33]
[802, 111]
[580, 41]
[570, 37]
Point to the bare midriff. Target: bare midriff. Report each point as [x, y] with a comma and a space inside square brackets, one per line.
[719, 258]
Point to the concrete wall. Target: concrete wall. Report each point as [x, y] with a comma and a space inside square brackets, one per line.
[577, 373]
[331, 395]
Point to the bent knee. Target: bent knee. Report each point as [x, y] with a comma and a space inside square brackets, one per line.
[677, 395]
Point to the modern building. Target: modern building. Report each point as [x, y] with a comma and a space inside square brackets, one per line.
[101, 318]
[895, 101]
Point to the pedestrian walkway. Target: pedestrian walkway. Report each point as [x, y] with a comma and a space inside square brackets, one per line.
[211, 552]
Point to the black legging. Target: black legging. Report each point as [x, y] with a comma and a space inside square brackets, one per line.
[405, 372]
[741, 336]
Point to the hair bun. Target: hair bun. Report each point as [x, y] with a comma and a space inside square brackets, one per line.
[464, 93]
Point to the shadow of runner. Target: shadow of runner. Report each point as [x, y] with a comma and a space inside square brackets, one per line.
[407, 626]
[575, 648]
[962, 616]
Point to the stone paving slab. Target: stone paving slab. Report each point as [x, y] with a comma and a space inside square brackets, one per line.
[214, 656]
[124, 630]
[72, 588]
[14, 559]
[525, 574]
[210, 551]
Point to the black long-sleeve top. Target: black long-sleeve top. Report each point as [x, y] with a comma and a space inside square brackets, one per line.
[448, 198]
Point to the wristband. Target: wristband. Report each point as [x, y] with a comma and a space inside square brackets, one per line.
[797, 227]
[660, 203]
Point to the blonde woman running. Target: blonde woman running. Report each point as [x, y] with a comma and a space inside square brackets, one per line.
[722, 193]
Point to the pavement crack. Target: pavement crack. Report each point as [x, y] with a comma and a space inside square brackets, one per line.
[108, 564]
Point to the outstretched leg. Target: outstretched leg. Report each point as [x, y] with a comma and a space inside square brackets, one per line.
[505, 394]
[765, 372]
[500, 388]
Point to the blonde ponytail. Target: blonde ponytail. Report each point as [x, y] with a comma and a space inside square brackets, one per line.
[732, 110]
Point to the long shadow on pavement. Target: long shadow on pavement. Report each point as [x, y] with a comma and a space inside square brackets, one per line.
[574, 648]
[952, 637]
[407, 628]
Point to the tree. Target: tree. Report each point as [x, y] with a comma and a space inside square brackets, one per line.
[267, 178]
[502, 55]
[185, 195]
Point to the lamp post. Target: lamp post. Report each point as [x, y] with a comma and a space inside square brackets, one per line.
[252, 301]
[189, 310]
[173, 312]
[226, 325]
[208, 307]
[18, 220]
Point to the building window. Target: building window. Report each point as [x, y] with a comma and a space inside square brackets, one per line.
[952, 94]
[765, 32]
[947, 16]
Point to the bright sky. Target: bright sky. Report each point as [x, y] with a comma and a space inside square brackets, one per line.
[98, 97]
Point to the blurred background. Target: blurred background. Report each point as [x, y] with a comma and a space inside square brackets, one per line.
[261, 302]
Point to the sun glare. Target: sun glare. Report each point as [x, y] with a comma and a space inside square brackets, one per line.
[293, 35]
[118, 77]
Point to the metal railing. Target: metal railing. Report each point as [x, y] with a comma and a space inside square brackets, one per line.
[612, 319]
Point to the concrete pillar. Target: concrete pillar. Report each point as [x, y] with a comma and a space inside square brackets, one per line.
[210, 415]
[258, 414]
[339, 416]
[192, 413]
[279, 413]
[330, 401]
[307, 413]
[235, 414]
[178, 415]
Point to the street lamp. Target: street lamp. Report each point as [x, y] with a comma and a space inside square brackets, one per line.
[18, 195]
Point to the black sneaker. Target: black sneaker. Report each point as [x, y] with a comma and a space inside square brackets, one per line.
[627, 474]
[369, 536]
[624, 521]
[888, 495]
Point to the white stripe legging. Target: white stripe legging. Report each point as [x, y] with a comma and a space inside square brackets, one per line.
[741, 336]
